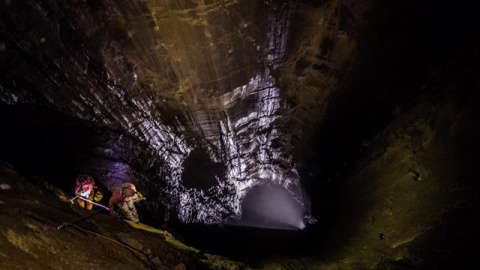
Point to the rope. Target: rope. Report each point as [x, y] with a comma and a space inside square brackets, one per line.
[115, 241]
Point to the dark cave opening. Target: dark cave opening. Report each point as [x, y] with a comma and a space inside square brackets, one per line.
[199, 171]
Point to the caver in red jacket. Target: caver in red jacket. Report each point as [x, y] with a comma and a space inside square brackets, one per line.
[84, 188]
[124, 197]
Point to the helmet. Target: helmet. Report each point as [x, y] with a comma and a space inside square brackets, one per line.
[82, 178]
[128, 192]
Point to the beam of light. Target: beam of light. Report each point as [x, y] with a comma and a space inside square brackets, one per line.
[271, 206]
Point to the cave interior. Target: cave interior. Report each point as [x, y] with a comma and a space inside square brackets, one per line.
[341, 130]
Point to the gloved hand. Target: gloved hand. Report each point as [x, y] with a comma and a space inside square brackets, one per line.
[138, 197]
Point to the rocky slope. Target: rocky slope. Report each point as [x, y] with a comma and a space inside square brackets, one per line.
[41, 229]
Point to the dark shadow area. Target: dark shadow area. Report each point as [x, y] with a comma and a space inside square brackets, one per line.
[395, 62]
[43, 142]
[201, 172]
[248, 244]
[397, 59]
